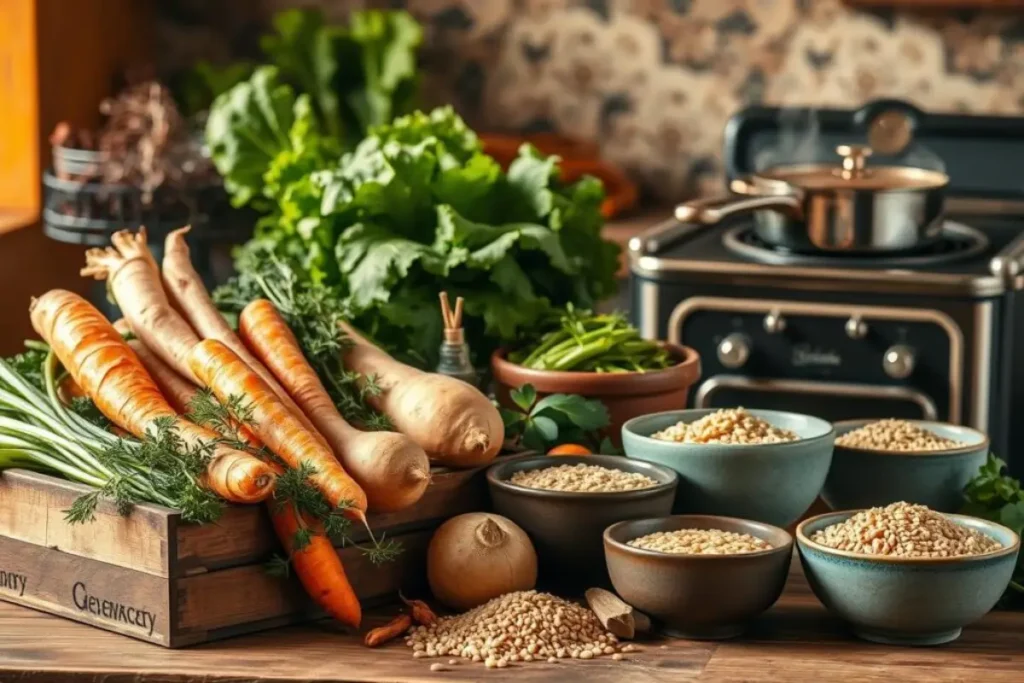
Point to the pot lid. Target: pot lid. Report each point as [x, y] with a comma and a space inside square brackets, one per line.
[853, 173]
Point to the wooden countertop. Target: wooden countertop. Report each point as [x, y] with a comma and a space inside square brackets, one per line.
[795, 642]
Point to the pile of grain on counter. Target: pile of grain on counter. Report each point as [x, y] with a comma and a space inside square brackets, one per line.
[524, 626]
[582, 479]
[701, 542]
[895, 435]
[905, 530]
[730, 426]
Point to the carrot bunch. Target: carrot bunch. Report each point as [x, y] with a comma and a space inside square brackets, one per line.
[183, 348]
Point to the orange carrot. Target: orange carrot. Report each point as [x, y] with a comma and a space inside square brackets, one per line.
[317, 565]
[134, 279]
[390, 467]
[227, 375]
[176, 389]
[188, 292]
[570, 449]
[111, 374]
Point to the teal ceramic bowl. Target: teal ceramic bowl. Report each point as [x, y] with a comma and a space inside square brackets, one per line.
[770, 483]
[907, 601]
[862, 478]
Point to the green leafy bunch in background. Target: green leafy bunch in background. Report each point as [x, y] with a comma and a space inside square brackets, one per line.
[414, 209]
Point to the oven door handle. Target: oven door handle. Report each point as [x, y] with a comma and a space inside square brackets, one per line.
[707, 389]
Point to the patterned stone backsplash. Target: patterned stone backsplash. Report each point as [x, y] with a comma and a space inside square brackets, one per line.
[654, 81]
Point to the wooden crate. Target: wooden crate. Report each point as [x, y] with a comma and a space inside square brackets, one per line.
[154, 577]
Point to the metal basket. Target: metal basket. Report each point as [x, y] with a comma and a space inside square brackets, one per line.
[79, 208]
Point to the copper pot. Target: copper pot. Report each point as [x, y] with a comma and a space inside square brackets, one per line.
[851, 207]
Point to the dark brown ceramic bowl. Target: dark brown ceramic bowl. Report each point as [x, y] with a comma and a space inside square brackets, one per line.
[703, 597]
[626, 394]
[566, 526]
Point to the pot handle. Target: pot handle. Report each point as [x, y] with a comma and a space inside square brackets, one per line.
[715, 209]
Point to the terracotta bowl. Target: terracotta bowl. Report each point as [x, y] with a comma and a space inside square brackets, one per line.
[626, 394]
[703, 597]
[566, 526]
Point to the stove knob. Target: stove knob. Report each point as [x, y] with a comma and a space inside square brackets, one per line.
[856, 328]
[774, 323]
[733, 351]
[898, 361]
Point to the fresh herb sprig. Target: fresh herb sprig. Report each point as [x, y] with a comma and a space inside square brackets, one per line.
[293, 487]
[313, 312]
[38, 430]
[998, 497]
[555, 419]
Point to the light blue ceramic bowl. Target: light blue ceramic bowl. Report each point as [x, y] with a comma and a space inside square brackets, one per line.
[907, 601]
[771, 483]
[861, 478]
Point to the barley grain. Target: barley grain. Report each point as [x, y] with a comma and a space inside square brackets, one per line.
[905, 530]
[895, 435]
[727, 426]
[517, 627]
[582, 478]
[700, 542]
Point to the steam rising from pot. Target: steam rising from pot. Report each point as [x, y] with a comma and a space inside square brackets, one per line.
[801, 140]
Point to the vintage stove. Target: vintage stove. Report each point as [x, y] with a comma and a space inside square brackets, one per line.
[930, 334]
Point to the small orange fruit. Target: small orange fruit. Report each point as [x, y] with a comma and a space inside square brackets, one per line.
[570, 449]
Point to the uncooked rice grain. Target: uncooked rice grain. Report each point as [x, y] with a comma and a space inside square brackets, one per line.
[700, 542]
[582, 478]
[905, 530]
[727, 426]
[895, 435]
[524, 626]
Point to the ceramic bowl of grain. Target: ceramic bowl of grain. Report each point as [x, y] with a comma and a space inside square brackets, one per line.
[565, 503]
[763, 465]
[698, 576]
[877, 462]
[904, 574]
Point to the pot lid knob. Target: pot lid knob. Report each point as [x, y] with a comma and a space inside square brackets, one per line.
[854, 159]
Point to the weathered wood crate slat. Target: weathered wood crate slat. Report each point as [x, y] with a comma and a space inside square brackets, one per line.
[154, 577]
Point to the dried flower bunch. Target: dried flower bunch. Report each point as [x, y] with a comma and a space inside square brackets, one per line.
[524, 626]
[147, 143]
[582, 479]
[905, 530]
[700, 542]
[144, 143]
[727, 426]
[895, 435]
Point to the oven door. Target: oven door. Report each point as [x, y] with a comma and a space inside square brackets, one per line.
[832, 401]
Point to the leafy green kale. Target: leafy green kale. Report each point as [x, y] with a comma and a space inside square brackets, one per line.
[417, 208]
[324, 88]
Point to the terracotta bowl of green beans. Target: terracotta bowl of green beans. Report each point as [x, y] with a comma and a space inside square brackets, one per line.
[603, 357]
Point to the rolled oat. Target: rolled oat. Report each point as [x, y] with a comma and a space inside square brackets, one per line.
[727, 426]
[905, 530]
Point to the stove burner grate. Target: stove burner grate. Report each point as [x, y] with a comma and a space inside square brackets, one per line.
[958, 243]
